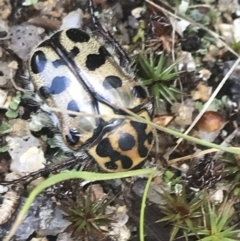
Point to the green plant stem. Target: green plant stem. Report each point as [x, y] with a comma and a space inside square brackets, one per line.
[136, 117]
[143, 205]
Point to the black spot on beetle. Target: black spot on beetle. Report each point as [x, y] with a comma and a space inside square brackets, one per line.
[104, 148]
[45, 43]
[142, 137]
[73, 106]
[150, 138]
[59, 84]
[143, 151]
[38, 62]
[111, 165]
[139, 92]
[44, 92]
[95, 61]
[126, 141]
[125, 161]
[112, 82]
[73, 137]
[58, 62]
[55, 39]
[103, 51]
[74, 52]
[77, 35]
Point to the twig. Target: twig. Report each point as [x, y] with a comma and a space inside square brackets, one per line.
[197, 154]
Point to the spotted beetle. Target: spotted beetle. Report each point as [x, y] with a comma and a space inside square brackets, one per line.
[73, 71]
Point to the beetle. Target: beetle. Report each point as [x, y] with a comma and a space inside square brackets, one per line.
[72, 71]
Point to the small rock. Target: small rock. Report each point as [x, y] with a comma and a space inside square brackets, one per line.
[137, 12]
[216, 196]
[183, 114]
[24, 149]
[26, 154]
[154, 194]
[73, 19]
[138, 187]
[184, 168]
[23, 39]
[120, 233]
[213, 50]
[119, 230]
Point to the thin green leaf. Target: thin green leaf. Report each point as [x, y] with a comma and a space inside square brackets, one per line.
[145, 65]
[174, 233]
[155, 92]
[168, 92]
[160, 65]
[148, 81]
[151, 59]
[168, 76]
[176, 90]
[223, 218]
[165, 96]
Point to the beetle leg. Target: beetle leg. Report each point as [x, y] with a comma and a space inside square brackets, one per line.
[124, 60]
[45, 171]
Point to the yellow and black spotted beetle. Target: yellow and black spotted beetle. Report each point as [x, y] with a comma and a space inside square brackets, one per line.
[71, 70]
